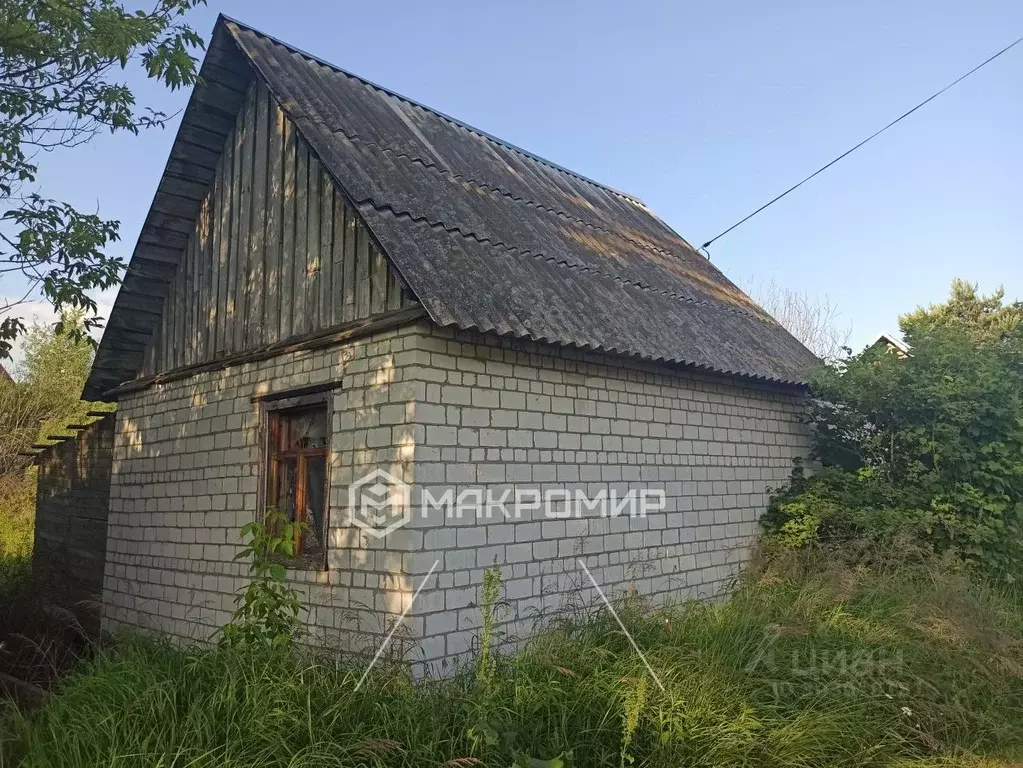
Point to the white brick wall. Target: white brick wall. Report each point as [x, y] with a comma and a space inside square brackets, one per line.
[501, 413]
[186, 472]
[448, 411]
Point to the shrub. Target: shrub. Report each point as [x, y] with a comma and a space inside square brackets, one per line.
[17, 513]
[268, 609]
[932, 442]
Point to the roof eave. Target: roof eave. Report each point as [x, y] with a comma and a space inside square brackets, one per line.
[225, 75]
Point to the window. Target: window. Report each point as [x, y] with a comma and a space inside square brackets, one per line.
[296, 470]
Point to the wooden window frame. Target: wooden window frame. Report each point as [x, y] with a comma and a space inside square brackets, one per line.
[272, 408]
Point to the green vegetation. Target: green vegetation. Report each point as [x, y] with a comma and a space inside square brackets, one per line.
[268, 612]
[985, 318]
[931, 443]
[59, 87]
[41, 401]
[812, 662]
[17, 515]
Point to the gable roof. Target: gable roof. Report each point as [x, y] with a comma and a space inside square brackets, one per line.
[493, 238]
[892, 341]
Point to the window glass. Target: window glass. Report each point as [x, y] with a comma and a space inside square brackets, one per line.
[316, 485]
[297, 472]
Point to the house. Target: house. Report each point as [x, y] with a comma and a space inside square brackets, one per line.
[892, 344]
[437, 351]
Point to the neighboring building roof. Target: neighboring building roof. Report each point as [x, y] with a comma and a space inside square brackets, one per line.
[486, 235]
[4, 375]
[891, 341]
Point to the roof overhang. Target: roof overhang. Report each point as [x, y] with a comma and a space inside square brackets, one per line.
[225, 75]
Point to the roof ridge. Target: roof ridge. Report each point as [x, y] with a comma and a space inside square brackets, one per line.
[487, 186]
[443, 115]
[560, 262]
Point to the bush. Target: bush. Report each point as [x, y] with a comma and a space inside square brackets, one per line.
[809, 663]
[17, 513]
[931, 443]
[41, 401]
[268, 608]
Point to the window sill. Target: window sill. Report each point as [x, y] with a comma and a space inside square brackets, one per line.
[315, 561]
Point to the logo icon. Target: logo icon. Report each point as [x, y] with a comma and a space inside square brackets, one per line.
[379, 503]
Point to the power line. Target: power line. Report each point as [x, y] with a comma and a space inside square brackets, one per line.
[871, 136]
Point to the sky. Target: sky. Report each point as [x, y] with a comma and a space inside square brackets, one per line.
[704, 111]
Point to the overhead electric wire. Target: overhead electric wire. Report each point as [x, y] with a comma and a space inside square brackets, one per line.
[871, 136]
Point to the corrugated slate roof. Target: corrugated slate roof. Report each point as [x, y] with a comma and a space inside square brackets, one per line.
[493, 238]
[486, 235]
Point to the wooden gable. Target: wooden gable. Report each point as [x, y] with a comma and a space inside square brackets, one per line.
[275, 252]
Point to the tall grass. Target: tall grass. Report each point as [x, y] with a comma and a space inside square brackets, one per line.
[17, 513]
[809, 663]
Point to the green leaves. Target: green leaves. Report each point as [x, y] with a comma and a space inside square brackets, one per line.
[63, 249]
[985, 318]
[486, 670]
[561, 761]
[10, 329]
[932, 440]
[59, 63]
[268, 609]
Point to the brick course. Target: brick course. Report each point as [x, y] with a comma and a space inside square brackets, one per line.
[447, 412]
[503, 413]
[186, 478]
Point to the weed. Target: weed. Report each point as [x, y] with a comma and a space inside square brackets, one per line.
[810, 662]
[486, 666]
[268, 610]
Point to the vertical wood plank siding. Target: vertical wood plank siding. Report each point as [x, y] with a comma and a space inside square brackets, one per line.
[276, 251]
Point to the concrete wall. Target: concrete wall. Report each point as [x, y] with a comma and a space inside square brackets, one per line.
[72, 500]
[448, 412]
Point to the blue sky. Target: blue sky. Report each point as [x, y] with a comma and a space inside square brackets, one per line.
[704, 111]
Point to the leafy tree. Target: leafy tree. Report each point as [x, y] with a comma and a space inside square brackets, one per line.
[59, 61]
[985, 317]
[933, 441]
